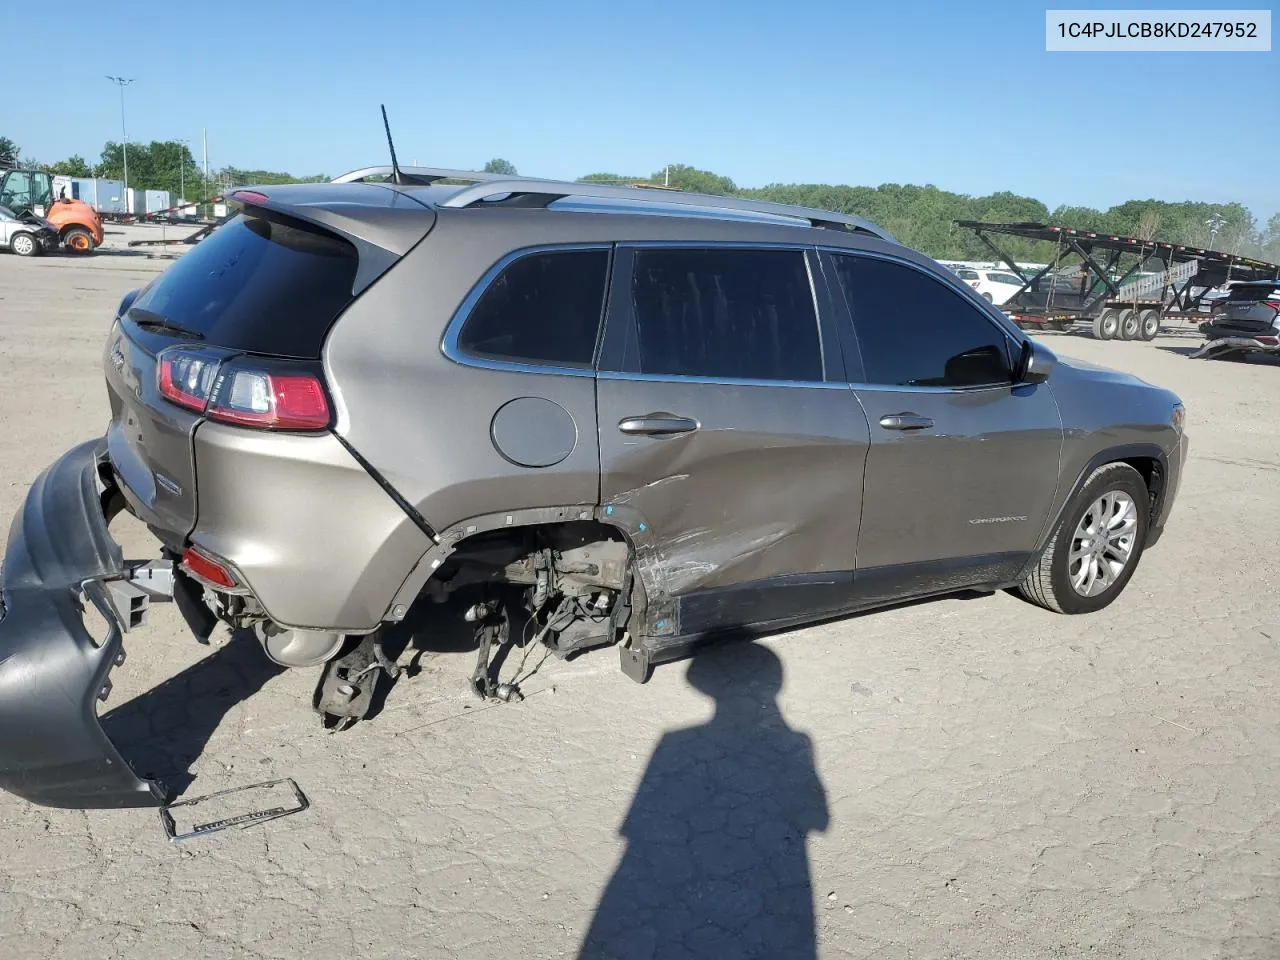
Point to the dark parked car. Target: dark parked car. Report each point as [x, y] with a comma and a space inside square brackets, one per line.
[1246, 320]
[588, 415]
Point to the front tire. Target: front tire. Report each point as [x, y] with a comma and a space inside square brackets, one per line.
[24, 245]
[77, 240]
[1096, 546]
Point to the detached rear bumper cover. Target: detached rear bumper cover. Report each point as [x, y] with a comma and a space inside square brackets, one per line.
[52, 749]
[1235, 343]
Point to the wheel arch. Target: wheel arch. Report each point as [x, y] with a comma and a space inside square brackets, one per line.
[455, 539]
[1148, 459]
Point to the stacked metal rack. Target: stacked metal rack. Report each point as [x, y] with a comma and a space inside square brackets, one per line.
[1124, 287]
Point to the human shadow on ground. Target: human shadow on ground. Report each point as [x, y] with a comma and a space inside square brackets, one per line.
[162, 732]
[716, 862]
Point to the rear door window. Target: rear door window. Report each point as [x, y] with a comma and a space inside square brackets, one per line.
[270, 286]
[915, 331]
[543, 308]
[725, 314]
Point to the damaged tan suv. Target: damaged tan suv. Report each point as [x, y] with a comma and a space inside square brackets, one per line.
[624, 417]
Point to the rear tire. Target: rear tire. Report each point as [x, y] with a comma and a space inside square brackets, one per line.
[77, 240]
[1061, 579]
[1149, 322]
[1105, 324]
[24, 245]
[1129, 327]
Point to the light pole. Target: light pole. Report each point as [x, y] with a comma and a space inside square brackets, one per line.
[182, 170]
[124, 133]
[1214, 223]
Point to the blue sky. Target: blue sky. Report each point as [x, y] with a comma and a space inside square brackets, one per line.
[961, 95]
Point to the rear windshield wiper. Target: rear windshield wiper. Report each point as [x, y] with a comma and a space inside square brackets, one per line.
[153, 321]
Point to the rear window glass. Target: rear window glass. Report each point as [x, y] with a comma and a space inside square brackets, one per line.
[1004, 278]
[1261, 291]
[543, 308]
[259, 285]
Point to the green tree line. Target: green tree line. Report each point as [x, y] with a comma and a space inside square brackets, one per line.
[920, 216]
[158, 165]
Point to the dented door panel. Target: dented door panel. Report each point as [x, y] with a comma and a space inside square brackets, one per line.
[767, 486]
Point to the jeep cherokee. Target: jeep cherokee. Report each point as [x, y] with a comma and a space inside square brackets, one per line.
[625, 417]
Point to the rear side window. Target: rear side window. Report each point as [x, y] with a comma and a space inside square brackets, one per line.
[259, 285]
[542, 308]
[734, 314]
[914, 331]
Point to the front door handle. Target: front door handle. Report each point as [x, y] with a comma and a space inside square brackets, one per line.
[905, 421]
[657, 424]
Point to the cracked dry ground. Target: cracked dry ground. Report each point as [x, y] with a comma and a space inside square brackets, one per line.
[964, 778]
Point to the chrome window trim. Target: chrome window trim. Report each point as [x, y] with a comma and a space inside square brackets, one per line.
[722, 381]
[453, 329]
[984, 308]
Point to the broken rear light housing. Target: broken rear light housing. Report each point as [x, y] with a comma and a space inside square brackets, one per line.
[245, 391]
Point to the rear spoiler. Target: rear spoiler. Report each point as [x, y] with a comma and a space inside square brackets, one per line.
[383, 224]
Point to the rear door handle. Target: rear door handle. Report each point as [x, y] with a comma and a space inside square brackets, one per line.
[905, 421]
[657, 424]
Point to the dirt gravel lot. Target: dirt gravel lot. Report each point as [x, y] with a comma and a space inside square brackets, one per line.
[963, 778]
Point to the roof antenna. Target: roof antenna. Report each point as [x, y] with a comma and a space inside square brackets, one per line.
[396, 177]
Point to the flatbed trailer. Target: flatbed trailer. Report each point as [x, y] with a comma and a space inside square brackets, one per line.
[1125, 288]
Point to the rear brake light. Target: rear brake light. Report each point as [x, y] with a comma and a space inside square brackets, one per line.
[244, 391]
[1273, 304]
[250, 196]
[206, 568]
[281, 401]
[186, 377]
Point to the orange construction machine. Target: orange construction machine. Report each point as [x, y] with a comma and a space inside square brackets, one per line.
[78, 224]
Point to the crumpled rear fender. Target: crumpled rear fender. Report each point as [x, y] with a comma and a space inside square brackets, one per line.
[58, 561]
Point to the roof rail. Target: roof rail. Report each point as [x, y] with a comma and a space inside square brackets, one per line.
[524, 191]
[422, 176]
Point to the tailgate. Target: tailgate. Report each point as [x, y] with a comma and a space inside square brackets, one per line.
[149, 441]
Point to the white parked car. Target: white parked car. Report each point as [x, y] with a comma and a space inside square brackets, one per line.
[27, 236]
[996, 285]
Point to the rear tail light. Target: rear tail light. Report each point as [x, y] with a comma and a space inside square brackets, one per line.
[1273, 304]
[245, 391]
[280, 401]
[207, 569]
[1271, 341]
[186, 377]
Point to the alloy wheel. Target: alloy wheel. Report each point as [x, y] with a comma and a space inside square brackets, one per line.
[1102, 544]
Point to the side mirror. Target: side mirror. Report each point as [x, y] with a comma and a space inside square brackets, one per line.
[1037, 362]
